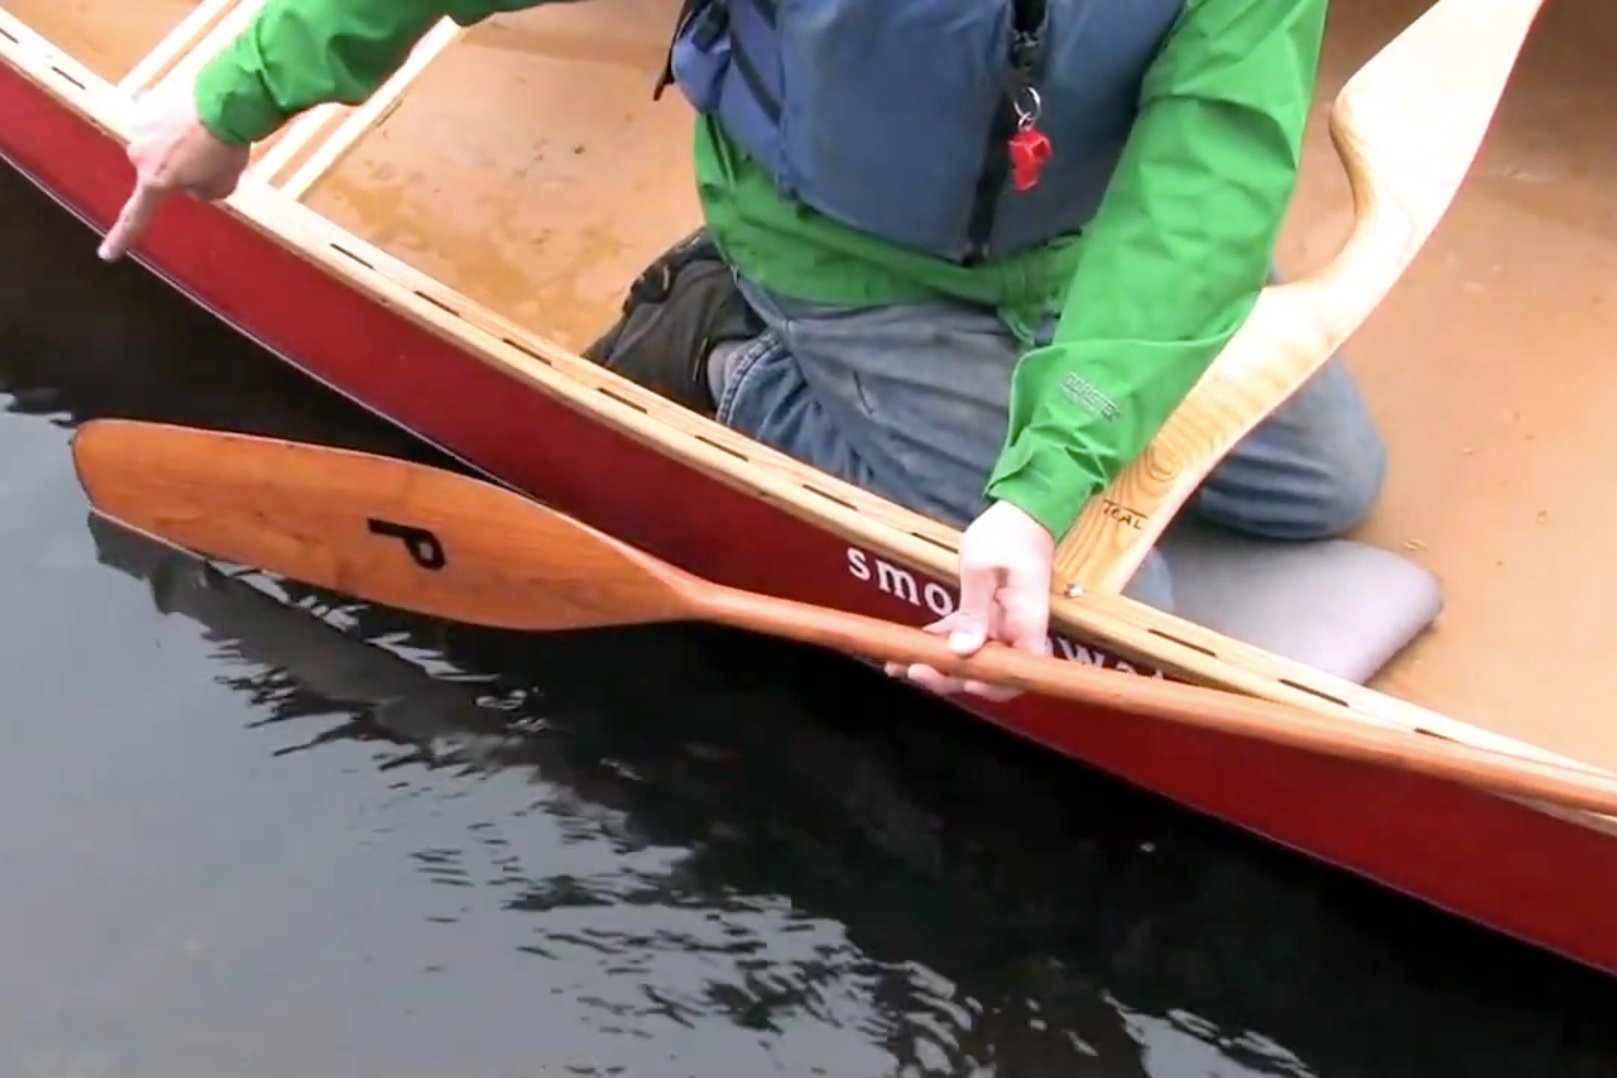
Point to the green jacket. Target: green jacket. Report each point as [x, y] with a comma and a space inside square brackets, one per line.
[1147, 296]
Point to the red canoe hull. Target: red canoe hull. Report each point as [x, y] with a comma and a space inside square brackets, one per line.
[1520, 872]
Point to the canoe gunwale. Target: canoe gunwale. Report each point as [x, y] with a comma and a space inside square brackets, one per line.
[1141, 633]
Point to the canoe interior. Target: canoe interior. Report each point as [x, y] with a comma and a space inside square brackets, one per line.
[528, 168]
[502, 176]
[1490, 369]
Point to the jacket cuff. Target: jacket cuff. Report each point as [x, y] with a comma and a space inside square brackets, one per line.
[232, 101]
[1045, 483]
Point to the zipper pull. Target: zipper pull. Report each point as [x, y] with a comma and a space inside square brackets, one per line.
[1029, 147]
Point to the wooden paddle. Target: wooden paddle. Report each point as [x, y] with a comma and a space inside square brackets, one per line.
[418, 538]
[1408, 126]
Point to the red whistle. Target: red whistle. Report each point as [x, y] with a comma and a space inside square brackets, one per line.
[1030, 149]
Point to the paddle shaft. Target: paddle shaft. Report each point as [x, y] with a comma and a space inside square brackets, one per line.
[1154, 698]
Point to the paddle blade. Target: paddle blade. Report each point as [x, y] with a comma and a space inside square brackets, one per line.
[378, 528]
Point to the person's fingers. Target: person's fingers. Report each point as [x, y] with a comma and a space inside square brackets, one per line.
[1038, 644]
[1005, 560]
[1024, 625]
[216, 188]
[997, 693]
[1026, 602]
[132, 220]
[933, 680]
[928, 676]
[977, 619]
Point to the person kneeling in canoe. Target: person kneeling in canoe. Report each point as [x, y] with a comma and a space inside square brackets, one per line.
[967, 254]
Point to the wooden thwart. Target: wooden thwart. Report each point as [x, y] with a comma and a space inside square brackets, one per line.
[1408, 126]
[406, 535]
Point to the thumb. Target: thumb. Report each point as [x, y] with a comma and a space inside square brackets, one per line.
[974, 621]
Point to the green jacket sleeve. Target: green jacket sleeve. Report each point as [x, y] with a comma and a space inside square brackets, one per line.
[300, 53]
[1175, 257]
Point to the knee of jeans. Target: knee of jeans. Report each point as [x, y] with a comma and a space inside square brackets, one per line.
[1350, 489]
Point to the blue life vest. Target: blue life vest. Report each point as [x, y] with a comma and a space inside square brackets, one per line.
[895, 116]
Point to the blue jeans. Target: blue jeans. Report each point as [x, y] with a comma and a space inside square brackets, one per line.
[910, 401]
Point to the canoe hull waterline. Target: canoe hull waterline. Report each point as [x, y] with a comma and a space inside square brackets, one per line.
[1531, 874]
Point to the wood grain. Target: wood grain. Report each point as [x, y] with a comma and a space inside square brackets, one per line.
[387, 530]
[411, 536]
[1408, 126]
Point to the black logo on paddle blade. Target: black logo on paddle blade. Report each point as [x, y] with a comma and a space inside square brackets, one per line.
[424, 547]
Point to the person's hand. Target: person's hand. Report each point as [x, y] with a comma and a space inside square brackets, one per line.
[1005, 558]
[171, 151]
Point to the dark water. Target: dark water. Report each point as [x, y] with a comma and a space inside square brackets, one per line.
[247, 830]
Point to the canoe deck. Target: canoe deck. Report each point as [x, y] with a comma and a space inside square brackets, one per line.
[496, 175]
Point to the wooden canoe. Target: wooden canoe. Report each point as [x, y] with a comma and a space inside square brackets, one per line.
[440, 253]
